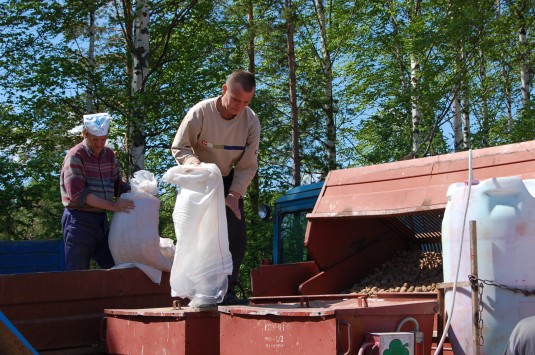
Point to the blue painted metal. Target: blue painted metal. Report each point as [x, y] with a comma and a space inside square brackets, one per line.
[26, 256]
[300, 198]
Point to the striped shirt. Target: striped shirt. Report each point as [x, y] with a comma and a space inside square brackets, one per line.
[83, 174]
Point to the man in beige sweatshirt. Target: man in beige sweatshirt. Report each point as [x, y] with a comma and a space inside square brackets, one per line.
[224, 131]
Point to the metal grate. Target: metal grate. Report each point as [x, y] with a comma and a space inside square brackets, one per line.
[424, 225]
[425, 228]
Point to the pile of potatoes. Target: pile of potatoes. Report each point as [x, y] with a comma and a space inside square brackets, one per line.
[407, 271]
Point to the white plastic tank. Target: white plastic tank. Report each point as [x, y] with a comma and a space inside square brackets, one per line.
[504, 212]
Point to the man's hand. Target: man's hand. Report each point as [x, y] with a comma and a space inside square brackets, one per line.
[123, 205]
[120, 205]
[232, 201]
[193, 161]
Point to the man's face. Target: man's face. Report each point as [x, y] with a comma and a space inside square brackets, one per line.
[96, 143]
[235, 99]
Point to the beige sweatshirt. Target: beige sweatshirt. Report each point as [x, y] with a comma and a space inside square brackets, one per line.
[205, 136]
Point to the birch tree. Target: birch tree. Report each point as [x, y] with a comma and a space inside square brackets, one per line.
[414, 14]
[91, 61]
[521, 8]
[465, 104]
[140, 53]
[457, 121]
[326, 65]
[460, 104]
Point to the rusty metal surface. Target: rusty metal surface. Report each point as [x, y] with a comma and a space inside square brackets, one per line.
[164, 312]
[275, 335]
[162, 331]
[337, 239]
[62, 310]
[419, 184]
[363, 215]
[347, 249]
[325, 326]
[267, 281]
[326, 305]
[304, 300]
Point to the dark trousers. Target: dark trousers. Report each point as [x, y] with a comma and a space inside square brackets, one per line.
[237, 235]
[85, 235]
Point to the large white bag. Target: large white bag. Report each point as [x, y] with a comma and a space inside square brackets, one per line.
[134, 238]
[202, 258]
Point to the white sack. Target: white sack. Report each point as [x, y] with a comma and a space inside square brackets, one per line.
[144, 181]
[134, 236]
[202, 258]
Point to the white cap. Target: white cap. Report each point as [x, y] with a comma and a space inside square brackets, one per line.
[97, 124]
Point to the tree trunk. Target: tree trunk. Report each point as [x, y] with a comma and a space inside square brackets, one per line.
[465, 107]
[140, 56]
[293, 94]
[326, 65]
[254, 190]
[90, 62]
[404, 79]
[524, 65]
[414, 12]
[508, 93]
[505, 75]
[457, 121]
[415, 105]
[485, 120]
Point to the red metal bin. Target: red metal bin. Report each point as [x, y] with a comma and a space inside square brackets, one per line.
[62, 311]
[319, 325]
[162, 331]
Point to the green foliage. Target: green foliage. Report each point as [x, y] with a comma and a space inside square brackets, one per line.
[259, 238]
[167, 198]
[29, 159]
[383, 138]
[44, 67]
[524, 128]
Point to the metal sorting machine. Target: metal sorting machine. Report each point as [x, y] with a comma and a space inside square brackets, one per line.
[361, 218]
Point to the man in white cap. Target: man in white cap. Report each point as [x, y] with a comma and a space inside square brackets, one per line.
[91, 184]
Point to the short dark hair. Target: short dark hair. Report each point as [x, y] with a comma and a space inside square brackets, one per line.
[242, 77]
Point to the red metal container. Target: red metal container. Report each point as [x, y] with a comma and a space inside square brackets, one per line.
[62, 311]
[364, 215]
[328, 324]
[162, 331]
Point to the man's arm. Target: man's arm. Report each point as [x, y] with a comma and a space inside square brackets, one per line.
[185, 139]
[119, 205]
[232, 201]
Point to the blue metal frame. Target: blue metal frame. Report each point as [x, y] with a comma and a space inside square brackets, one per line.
[301, 198]
[27, 256]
